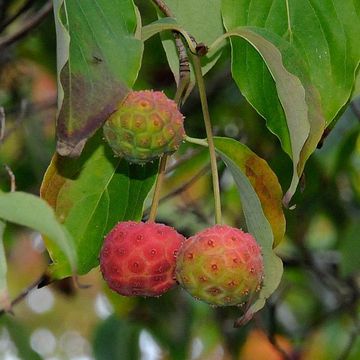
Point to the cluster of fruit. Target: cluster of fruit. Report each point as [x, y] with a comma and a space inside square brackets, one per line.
[220, 265]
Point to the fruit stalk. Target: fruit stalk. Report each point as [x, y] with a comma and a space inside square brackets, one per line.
[183, 84]
[158, 185]
[205, 109]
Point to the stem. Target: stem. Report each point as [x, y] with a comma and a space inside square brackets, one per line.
[27, 27]
[158, 185]
[205, 109]
[42, 281]
[183, 84]
[202, 142]
[184, 80]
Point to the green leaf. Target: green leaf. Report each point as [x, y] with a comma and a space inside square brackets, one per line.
[303, 121]
[324, 32]
[188, 170]
[91, 194]
[189, 15]
[262, 179]
[356, 90]
[349, 248]
[165, 24]
[319, 43]
[4, 295]
[99, 58]
[256, 220]
[31, 211]
[117, 339]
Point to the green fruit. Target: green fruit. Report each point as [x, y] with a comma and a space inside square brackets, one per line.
[221, 265]
[146, 125]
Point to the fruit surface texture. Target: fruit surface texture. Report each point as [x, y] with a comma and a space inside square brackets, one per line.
[138, 259]
[221, 265]
[146, 125]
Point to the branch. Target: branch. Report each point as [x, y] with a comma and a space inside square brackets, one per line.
[271, 334]
[12, 178]
[28, 26]
[181, 160]
[184, 65]
[353, 337]
[42, 281]
[26, 6]
[164, 8]
[187, 184]
[2, 124]
[25, 110]
[181, 188]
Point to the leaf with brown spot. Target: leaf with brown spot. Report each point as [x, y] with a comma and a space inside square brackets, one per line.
[98, 58]
[234, 155]
[263, 180]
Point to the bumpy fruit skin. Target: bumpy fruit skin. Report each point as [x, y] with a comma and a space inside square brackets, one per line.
[221, 265]
[146, 125]
[138, 259]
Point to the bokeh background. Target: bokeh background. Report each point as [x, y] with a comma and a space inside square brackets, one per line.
[314, 315]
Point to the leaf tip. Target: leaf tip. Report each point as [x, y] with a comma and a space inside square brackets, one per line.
[66, 149]
[243, 320]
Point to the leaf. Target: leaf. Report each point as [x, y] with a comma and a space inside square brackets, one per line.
[117, 339]
[184, 172]
[91, 194]
[31, 211]
[189, 15]
[165, 24]
[303, 122]
[4, 294]
[262, 179]
[99, 58]
[256, 221]
[349, 248]
[356, 90]
[323, 34]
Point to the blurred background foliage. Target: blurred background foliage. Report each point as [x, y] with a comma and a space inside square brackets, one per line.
[314, 315]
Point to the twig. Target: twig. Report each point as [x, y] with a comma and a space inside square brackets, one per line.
[184, 65]
[26, 6]
[31, 107]
[332, 283]
[181, 160]
[163, 8]
[158, 185]
[355, 110]
[347, 305]
[25, 110]
[271, 334]
[353, 337]
[42, 281]
[12, 178]
[278, 347]
[28, 26]
[182, 188]
[2, 124]
[186, 184]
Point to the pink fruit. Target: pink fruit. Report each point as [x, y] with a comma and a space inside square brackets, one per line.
[221, 265]
[139, 258]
